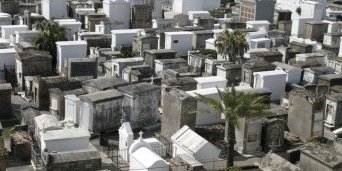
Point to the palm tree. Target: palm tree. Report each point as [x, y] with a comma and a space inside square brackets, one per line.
[232, 45]
[50, 33]
[234, 105]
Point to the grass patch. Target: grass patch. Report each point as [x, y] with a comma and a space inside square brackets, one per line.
[7, 126]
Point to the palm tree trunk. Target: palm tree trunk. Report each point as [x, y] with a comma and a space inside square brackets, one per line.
[230, 144]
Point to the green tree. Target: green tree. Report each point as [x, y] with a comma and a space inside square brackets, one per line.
[234, 105]
[299, 10]
[50, 33]
[232, 45]
[210, 52]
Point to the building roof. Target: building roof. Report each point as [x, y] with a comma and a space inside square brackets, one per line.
[8, 50]
[81, 60]
[265, 54]
[75, 156]
[47, 122]
[53, 79]
[330, 77]
[148, 158]
[336, 88]
[190, 160]
[199, 55]
[326, 154]
[139, 88]
[202, 32]
[191, 141]
[321, 70]
[335, 97]
[142, 71]
[34, 55]
[307, 64]
[201, 80]
[274, 162]
[270, 73]
[29, 113]
[170, 61]
[70, 43]
[68, 133]
[179, 93]
[299, 44]
[316, 22]
[179, 33]
[105, 83]
[13, 26]
[229, 66]
[133, 59]
[284, 66]
[102, 96]
[277, 112]
[160, 51]
[255, 91]
[258, 22]
[338, 59]
[309, 55]
[206, 91]
[263, 39]
[75, 92]
[126, 31]
[179, 81]
[5, 86]
[126, 128]
[265, 65]
[26, 46]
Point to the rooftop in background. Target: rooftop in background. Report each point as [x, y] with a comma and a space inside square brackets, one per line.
[209, 79]
[138, 88]
[158, 51]
[68, 133]
[133, 59]
[102, 96]
[34, 54]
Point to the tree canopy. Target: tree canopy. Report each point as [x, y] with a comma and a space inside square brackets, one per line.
[50, 33]
[232, 45]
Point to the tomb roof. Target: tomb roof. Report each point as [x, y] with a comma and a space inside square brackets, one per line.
[138, 88]
[105, 82]
[102, 96]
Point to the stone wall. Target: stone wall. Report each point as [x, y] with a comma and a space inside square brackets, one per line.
[84, 165]
[141, 108]
[198, 40]
[107, 115]
[179, 109]
[141, 16]
[10, 7]
[309, 163]
[303, 108]
[315, 32]
[82, 68]
[98, 41]
[150, 57]
[5, 101]
[42, 85]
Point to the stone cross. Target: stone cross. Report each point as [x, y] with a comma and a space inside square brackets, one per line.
[152, 79]
[272, 147]
[140, 135]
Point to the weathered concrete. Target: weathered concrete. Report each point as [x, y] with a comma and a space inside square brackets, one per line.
[179, 109]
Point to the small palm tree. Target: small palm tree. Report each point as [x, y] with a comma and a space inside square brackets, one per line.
[50, 33]
[232, 45]
[234, 105]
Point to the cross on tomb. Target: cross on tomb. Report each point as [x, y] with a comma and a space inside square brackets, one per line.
[140, 135]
